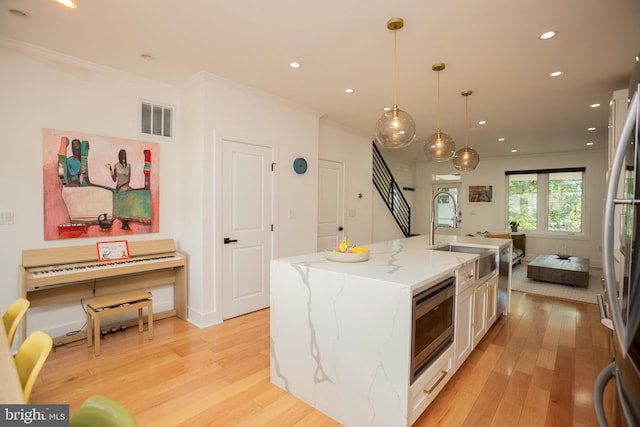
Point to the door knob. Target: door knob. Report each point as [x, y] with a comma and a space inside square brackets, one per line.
[340, 228]
[228, 240]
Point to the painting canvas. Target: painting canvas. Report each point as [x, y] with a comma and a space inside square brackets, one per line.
[98, 186]
[481, 194]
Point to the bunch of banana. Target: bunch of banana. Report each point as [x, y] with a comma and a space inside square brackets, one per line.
[347, 247]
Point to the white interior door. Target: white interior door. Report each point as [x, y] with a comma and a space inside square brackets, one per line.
[330, 204]
[246, 226]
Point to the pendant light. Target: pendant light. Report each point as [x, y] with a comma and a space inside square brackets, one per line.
[439, 147]
[466, 159]
[396, 128]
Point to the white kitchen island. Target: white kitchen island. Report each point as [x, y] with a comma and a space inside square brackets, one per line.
[341, 332]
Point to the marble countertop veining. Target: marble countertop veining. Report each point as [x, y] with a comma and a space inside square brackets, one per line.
[411, 262]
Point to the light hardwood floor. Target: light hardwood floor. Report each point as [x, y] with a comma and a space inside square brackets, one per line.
[535, 367]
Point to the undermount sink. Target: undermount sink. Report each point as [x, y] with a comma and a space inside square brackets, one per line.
[487, 262]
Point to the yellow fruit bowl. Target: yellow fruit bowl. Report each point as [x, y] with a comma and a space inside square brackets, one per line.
[335, 255]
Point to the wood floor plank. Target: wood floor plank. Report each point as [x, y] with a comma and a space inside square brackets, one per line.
[527, 361]
[534, 411]
[459, 409]
[487, 400]
[542, 378]
[546, 359]
[517, 388]
[560, 412]
[507, 414]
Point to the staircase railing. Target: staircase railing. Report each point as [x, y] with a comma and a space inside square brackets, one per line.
[391, 193]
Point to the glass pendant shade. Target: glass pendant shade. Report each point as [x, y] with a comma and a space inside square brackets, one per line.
[439, 147]
[396, 129]
[466, 159]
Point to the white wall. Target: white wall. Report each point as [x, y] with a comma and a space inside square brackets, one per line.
[492, 217]
[43, 90]
[384, 225]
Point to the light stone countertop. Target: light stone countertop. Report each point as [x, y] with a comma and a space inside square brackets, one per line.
[408, 261]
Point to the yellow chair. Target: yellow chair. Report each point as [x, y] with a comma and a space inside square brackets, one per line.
[30, 358]
[11, 318]
[101, 411]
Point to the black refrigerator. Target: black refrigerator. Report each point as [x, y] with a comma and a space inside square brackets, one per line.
[620, 305]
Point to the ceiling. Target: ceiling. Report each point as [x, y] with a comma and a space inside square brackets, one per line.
[490, 47]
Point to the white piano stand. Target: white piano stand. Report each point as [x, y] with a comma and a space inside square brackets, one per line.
[114, 304]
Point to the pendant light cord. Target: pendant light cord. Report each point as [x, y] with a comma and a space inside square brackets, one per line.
[438, 101]
[466, 142]
[395, 59]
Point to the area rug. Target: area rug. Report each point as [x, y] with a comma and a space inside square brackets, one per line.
[520, 282]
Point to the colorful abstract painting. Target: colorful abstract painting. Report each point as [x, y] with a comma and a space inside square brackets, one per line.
[99, 186]
[481, 194]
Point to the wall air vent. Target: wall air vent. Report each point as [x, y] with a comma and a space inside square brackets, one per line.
[155, 119]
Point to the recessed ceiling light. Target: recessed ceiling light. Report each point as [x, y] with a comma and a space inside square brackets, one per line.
[589, 143]
[514, 151]
[147, 56]
[348, 90]
[591, 128]
[67, 4]
[482, 122]
[596, 105]
[19, 13]
[556, 74]
[295, 64]
[500, 139]
[548, 35]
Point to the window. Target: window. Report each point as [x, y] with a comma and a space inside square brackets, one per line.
[449, 177]
[156, 119]
[547, 201]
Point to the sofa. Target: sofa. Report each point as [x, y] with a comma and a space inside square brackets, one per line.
[519, 243]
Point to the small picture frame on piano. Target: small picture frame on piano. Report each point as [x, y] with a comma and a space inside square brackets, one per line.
[113, 250]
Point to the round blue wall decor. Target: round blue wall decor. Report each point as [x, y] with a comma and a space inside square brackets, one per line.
[300, 165]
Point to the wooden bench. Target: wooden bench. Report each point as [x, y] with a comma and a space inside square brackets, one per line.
[113, 304]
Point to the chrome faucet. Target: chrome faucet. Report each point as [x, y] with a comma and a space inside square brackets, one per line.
[432, 237]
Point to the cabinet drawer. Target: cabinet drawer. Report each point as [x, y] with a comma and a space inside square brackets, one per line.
[466, 276]
[428, 385]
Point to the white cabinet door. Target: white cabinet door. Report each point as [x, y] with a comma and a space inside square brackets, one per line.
[427, 386]
[492, 301]
[479, 312]
[464, 327]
